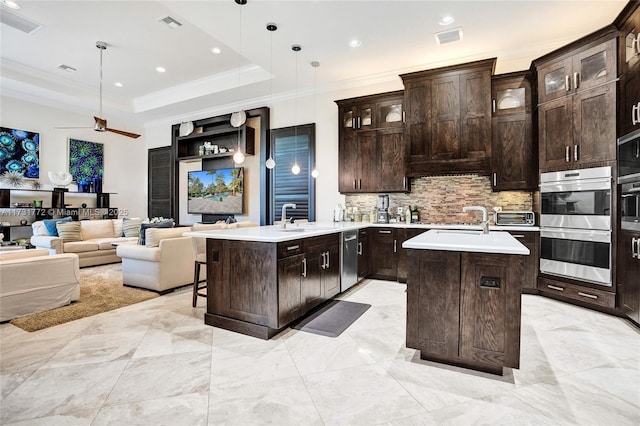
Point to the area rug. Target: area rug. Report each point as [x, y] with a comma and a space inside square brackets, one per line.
[332, 319]
[101, 290]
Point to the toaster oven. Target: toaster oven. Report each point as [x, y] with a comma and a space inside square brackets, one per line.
[514, 218]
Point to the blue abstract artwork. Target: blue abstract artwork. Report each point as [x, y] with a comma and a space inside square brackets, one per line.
[86, 160]
[20, 152]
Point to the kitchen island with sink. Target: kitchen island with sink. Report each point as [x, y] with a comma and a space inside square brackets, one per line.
[463, 298]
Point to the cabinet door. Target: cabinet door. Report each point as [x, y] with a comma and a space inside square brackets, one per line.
[418, 117]
[389, 113]
[629, 117]
[433, 302]
[348, 163]
[594, 124]
[290, 302]
[367, 161]
[554, 80]
[311, 293]
[490, 289]
[445, 105]
[629, 271]
[390, 172]
[531, 262]
[403, 235]
[331, 273]
[364, 264]
[628, 43]
[595, 66]
[555, 135]
[475, 115]
[512, 161]
[510, 96]
[383, 253]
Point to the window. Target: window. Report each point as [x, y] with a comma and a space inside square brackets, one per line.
[290, 145]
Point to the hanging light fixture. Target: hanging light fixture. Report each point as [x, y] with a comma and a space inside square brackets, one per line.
[296, 168]
[315, 65]
[238, 118]
[271, 163]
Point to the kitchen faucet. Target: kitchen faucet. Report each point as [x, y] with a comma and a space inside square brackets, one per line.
[485, 220]
[283, 218]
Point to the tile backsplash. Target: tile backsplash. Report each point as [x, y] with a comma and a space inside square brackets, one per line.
[440, 198]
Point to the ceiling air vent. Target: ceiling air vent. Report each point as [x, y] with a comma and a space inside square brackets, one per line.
[67, 68]
[12, 19]
[449, 36]
[170, 22]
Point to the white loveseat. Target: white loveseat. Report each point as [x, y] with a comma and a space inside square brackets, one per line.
[33, 281]
[96, 247]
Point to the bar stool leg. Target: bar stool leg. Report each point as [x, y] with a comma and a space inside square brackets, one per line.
[196, 281]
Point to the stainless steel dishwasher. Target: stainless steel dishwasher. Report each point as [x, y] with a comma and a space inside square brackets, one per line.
[348, 259]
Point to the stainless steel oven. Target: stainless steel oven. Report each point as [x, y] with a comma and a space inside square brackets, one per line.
[630, 206]
[629, 157]
[575, 224]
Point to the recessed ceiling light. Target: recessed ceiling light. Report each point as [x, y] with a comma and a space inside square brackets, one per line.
[11, 4]
[66, 68]
[117, 84]
[216, 50]
[446, 20]
[160, 69]
[355, 43]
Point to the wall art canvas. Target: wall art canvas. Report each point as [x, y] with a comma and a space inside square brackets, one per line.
[20, 152]
[86, 160]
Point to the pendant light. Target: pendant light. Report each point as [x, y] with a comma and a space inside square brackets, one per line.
[315, 65]
[271, 163]
[238, 118]
[296, 168]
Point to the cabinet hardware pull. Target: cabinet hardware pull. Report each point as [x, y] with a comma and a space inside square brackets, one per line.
[575, 152]
[328, 260]
[354, 184]
[359, 126]
[553, 287]
[395, 246]
[567, 82]
[493, 106]
[635, 45]
[324, 260]
[638, 141]
[304, 267]
[635, 111]
[360, 183]
[404, 182]
[576, 80]
[403, 117]
[567, 153]
[517, 235]
[293, 247]
[590, 296]
[360, 249]
[384, 232]
[634, 251]
[495, 179]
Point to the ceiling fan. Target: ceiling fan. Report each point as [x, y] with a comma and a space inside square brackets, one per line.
[100, 124]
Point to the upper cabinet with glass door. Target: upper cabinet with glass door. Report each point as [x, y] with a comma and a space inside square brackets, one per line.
[581, 70]
[630, 42]
[372, 112]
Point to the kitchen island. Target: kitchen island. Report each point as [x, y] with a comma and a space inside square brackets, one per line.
[463, 298]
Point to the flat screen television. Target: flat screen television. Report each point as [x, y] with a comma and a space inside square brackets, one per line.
[219, 191]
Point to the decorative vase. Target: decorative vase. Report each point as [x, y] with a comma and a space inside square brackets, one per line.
[97, 184]
[83, 186]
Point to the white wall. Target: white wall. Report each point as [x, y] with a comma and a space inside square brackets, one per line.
[125, 159]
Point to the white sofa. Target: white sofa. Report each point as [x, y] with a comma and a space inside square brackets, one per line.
[96, 247]
[33, 281]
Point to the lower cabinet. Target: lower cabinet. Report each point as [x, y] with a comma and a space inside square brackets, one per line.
[464, 308]
[384, 246]
[401, 255]
[290, 297]
[364, 257]
[322, 278]
[629, 274]
[530, 240]
[558, 288]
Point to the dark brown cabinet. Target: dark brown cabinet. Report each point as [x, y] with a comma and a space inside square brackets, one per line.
[384, 248]
[401, 256]
[364, 261]
[464, 308]
[629, 66]
[530, 263]
[290, 297]
[513, 156]
[371, 145]
[322, 278]
[629, 274]
[448, 119]
[576, 103]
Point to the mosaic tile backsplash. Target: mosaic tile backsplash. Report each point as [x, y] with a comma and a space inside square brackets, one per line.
[440, 199]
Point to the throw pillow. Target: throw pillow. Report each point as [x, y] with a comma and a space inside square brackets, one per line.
[69, 231]
[168, 223]
[51, 225]
[131, 226]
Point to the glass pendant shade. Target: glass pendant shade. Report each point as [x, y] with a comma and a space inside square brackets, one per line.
[295, 169]
[314, 173]
[270, 163]
[238, 157]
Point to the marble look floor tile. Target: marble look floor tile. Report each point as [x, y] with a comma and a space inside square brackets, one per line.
[27, 356]
[425, 419]
[381, 344]
[360, 396]
[162, 376]
[251, 364]
[59, 391]
[492, 410]
[8, 382]
[620, 379]
[574, 401]
[189, 409]
[278, 402]
[121, 319]
[379, 317]
[78, 418]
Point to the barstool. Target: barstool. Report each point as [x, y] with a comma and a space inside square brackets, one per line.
[199, 247]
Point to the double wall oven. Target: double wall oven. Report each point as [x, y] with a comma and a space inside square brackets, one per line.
[575, 224]
[629, 180]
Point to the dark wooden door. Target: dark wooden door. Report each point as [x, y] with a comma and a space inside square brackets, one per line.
[475, 115]
[629, 275]
[384, 263]
[331, 273]
[390, 171]
[312, 293]
[160, 182]
[490, 289]
[403, 235]
[418, 121]
[531, 262]
[595, 66]
[629, 101]
[367, 161]
[445, 105]
[290, 302]
[628, 49]
[554, 80]
[364, 264]
[433, 302]
[513, 159]
[348, 162]
[595, 124]
[555, 135]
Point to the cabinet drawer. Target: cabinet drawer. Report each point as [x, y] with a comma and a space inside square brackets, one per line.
[584, 294]
[290, 248]
[525, 236]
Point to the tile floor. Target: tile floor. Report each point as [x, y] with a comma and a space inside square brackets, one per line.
[157, 363]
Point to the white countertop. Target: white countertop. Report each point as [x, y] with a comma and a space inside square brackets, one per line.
[469, 241]
[275, 233]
